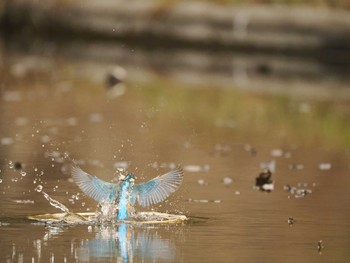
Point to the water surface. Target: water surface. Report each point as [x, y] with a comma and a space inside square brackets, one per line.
[55, 110]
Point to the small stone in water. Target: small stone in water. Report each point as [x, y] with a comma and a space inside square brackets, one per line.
[325, 166]
[0, 181]
[39, 188]
[227, 180]
[268, 187]
[277, 152]
[201, 182]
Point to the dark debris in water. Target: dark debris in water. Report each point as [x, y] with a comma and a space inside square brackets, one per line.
[18, 165]
[263, 182]
[115, 77]
[291, 221]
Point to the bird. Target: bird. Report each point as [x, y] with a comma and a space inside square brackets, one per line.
[126, 192]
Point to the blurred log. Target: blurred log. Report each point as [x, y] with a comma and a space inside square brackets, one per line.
[269, 50]
[305, 31]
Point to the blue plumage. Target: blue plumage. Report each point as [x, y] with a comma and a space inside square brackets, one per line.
[126, 192]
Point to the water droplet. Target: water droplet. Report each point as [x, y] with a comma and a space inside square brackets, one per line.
[11, 165]
[23, 173]
[39, 188]
[35, 169]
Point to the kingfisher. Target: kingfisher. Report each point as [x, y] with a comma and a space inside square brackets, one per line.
[126, 192]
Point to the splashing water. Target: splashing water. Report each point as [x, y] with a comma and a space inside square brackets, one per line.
[107, 211]
[55, 203]
[39, 188]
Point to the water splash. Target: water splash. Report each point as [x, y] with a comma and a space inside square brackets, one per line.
[55, 203]
[107, 211]
[39, 188]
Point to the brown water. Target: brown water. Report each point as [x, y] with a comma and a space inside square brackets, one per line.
[55, 110]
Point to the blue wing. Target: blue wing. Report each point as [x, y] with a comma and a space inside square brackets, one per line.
[157, 189]
[94, 187]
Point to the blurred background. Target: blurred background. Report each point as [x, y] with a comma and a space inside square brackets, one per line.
[250, 97]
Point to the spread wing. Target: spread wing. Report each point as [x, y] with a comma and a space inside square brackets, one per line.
[94, 187]
[157, 189]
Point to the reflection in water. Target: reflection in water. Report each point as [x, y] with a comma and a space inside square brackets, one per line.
[82, 243]
[126, 243]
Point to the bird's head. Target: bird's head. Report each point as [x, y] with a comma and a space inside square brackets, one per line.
[130, 178]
